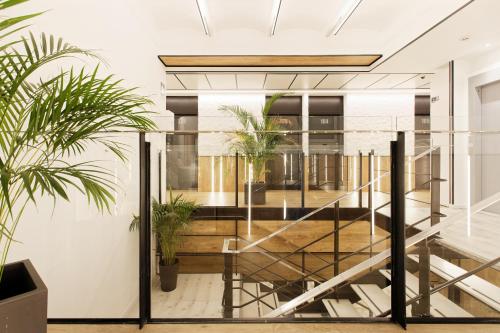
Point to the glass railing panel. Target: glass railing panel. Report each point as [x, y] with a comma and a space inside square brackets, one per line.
[201, 263]
[454, 272]
[86, 257]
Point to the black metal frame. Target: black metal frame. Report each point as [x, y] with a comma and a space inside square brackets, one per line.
[397, 251]
[398, 279]
[144, 231]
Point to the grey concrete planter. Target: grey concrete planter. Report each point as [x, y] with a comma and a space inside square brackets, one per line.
[23, 300]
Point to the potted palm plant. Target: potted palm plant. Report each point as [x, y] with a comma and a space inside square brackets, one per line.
[42, 123]
[257, 141]
[169, 221]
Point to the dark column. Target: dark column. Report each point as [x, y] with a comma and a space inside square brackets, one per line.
[336, 240]
[398, 288]
[360, 177]
[236, 176]
[302, 179]
[228, 285]
[144, 231]
[338, 170]
[435, 186]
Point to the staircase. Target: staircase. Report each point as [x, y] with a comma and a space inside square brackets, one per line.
[273, 285]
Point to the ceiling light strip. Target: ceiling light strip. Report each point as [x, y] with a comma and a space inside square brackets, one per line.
[344, 17]
[275, 14]
[202, 9]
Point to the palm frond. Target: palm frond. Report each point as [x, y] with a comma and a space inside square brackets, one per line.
[258, 139]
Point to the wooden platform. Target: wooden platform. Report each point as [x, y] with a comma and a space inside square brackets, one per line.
[277, 328]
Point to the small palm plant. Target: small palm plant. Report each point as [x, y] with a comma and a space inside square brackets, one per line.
[169, 221]
[46, 123]
[257, 140]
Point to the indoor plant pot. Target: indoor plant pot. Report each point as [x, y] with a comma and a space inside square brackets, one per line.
[23, 299]
[168, 276]
[258, 193]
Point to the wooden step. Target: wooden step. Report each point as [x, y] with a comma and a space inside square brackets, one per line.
[440, 305]
[340, 308]
[475, 286]
[373, 297]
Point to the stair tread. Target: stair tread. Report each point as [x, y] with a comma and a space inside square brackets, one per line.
[374, 297]
[340, 308]
[251, 310]
[440, 305]
[474, 285]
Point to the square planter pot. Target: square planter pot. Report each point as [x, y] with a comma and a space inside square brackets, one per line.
[23, 299]
[258, 193]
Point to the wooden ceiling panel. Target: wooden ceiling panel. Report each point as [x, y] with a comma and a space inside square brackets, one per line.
[267, 60]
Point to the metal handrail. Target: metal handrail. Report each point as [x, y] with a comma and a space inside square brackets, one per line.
[336, 280]
[288, 226]
[289, 283]
[279, 260]
[345, 195]
[448, 283]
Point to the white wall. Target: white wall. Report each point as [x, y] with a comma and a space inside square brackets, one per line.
[89, 260]
[384, 112]
[468, 117]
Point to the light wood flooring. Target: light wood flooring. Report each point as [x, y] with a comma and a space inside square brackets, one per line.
[196, 296]
[277, 328]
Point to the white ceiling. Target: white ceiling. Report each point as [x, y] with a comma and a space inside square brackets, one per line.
[478, 22]
[243, 26]
[295, 81]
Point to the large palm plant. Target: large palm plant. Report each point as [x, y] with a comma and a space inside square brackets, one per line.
[258, 138]
[45, 123]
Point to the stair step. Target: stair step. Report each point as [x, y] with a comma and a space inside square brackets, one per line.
[340, 308]
[373, 297]
[440, 305]
[308, 315]
[269, 302]
[475, 286]
[251, 310]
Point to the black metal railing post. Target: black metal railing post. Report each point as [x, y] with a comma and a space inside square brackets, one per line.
[398, 278]
[360, 178]
[435, 186]
[302, 180]
[236, 176]
[370, 178]
[144, 230]
[228, 285]
[336, 240]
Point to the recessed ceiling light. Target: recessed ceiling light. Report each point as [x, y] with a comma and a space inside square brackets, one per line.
[274, 15]
[344, 16]
[464, 38]
[487, 44]
[202, 9]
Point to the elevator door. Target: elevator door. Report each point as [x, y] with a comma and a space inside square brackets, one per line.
[490, 147]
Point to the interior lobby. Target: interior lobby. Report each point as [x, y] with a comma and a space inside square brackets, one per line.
[249, 165]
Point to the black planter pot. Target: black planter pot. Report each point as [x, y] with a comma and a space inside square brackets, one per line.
[258, 193]
[23, 299]
[168, 276]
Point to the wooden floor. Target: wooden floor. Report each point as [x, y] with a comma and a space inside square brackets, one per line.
[276, 328]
